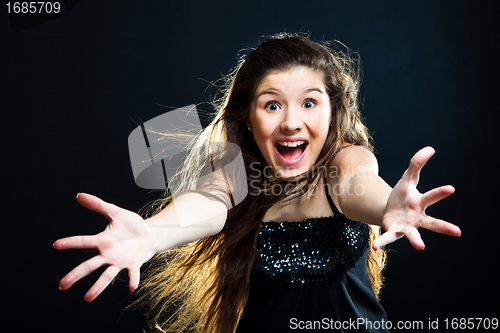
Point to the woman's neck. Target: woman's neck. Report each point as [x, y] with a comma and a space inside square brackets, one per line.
[312, 204]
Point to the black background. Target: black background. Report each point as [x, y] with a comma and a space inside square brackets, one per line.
[73, 88]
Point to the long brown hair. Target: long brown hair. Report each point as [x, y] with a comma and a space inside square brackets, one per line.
[204, 286]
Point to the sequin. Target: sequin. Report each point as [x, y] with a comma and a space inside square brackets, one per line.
[311, 250]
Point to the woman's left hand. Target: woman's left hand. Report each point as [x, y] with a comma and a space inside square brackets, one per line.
[405, 210]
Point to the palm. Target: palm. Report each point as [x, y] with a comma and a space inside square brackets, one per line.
[405, 210]
[126, 243]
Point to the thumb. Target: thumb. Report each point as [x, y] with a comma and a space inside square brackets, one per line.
[97, 205]
[417, 162]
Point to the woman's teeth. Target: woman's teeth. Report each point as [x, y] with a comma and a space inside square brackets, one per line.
[290, 144]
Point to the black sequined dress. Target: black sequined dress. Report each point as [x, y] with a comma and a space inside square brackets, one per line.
[311, 276]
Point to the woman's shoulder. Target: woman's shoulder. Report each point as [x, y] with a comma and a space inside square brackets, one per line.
[353, 159]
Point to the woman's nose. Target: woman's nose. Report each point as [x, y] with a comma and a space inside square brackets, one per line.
[291, 121]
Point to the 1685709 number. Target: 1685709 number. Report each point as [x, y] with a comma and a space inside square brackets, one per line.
[471, 323]
[33, 7]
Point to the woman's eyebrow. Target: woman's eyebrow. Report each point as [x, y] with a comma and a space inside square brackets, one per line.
[276, 92]
[270, 92]
[308, 90]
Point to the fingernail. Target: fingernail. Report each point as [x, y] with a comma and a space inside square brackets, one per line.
[77, 195]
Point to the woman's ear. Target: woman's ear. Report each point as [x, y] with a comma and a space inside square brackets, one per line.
[248, 126]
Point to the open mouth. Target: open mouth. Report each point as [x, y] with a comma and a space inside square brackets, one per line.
[291, 150]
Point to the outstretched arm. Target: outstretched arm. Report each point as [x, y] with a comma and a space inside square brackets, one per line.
[129, 241]
[366, 197]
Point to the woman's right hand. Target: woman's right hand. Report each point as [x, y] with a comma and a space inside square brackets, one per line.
[126, 243]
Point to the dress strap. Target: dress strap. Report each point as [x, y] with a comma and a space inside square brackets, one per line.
[330, 201]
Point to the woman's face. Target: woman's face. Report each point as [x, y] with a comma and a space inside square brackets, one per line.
[290, 118]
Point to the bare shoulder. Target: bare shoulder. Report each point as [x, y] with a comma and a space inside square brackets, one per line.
[350, 161]
[353, 159]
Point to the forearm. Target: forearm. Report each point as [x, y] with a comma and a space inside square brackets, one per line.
[364, 198]
[189, 217]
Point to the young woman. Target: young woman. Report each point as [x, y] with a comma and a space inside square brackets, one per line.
[301, 249]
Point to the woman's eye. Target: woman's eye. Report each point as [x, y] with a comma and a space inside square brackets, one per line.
[272, 106]
[309, 104]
